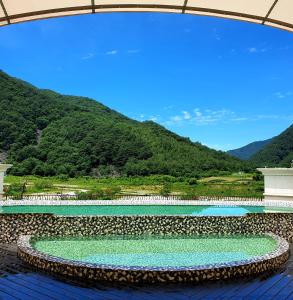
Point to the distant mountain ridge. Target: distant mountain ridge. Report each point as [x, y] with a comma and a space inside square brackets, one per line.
[279, 152]
[45, 133]
[275, 152]
[246, 152]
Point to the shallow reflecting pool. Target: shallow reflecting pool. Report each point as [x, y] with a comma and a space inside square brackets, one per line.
[193, 210]
[156, 251]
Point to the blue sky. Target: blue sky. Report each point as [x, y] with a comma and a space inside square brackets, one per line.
[223, 83]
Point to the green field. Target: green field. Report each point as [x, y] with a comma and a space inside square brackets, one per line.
[242, 185]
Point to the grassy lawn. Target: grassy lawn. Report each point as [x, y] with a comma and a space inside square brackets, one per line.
[242, 185]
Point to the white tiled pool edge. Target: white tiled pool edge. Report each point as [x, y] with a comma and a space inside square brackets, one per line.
[135, 201]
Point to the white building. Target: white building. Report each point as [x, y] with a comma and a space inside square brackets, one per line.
[3, 169]
[278, 183]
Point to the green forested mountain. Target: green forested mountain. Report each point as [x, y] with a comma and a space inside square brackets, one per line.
[45, 133]
[249, 150]
[279, 152]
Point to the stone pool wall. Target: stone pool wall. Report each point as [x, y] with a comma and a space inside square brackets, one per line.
[94, 272]
[12, 226]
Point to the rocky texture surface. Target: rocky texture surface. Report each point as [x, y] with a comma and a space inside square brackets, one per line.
[12, 226]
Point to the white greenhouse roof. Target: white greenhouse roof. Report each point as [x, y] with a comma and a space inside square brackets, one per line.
[276, 13]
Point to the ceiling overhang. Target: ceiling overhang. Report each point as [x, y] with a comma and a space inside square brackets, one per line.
[276, 13]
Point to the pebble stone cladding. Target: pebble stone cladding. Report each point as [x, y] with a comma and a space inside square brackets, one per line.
[12, 226]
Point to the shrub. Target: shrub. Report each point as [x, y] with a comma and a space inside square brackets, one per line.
[85, 196]
[111, 193]
[166, 189]
[259, 189]
[15, 191]
[190, 194]
[99, 194]
[41, 185]
[215, 181]
[258, 177]
[192, 181]
[63, 177]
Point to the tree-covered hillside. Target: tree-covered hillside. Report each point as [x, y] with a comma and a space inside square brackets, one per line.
[279, 152]
[45, 133]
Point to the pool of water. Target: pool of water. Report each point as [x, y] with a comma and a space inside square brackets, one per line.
[192, 210]
[155, 251]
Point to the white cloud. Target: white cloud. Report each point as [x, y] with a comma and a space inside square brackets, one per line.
[198, 114]
[211, 116]
[198, 117]
[252, 50]
[261, 117]
[282, 95]
[279, 95]
[273, 117]
[285, 48]
[154, 118]
[112, 52]
[186, 115]
[257, 50]
[207, 117]
[216, 34]
[143, 117]
[88, 56]
[239, 119]
[133, 51]
[169, 107]
[176, 119]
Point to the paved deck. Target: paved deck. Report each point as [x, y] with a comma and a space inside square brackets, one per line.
[19, 281]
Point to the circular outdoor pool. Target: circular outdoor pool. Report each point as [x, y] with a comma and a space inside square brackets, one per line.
[155, 258]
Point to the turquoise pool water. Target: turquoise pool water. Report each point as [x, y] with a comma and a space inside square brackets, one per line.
[155, 251]
[193, 210]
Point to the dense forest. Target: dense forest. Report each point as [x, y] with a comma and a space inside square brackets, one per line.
[44, 133]
[279, 152]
